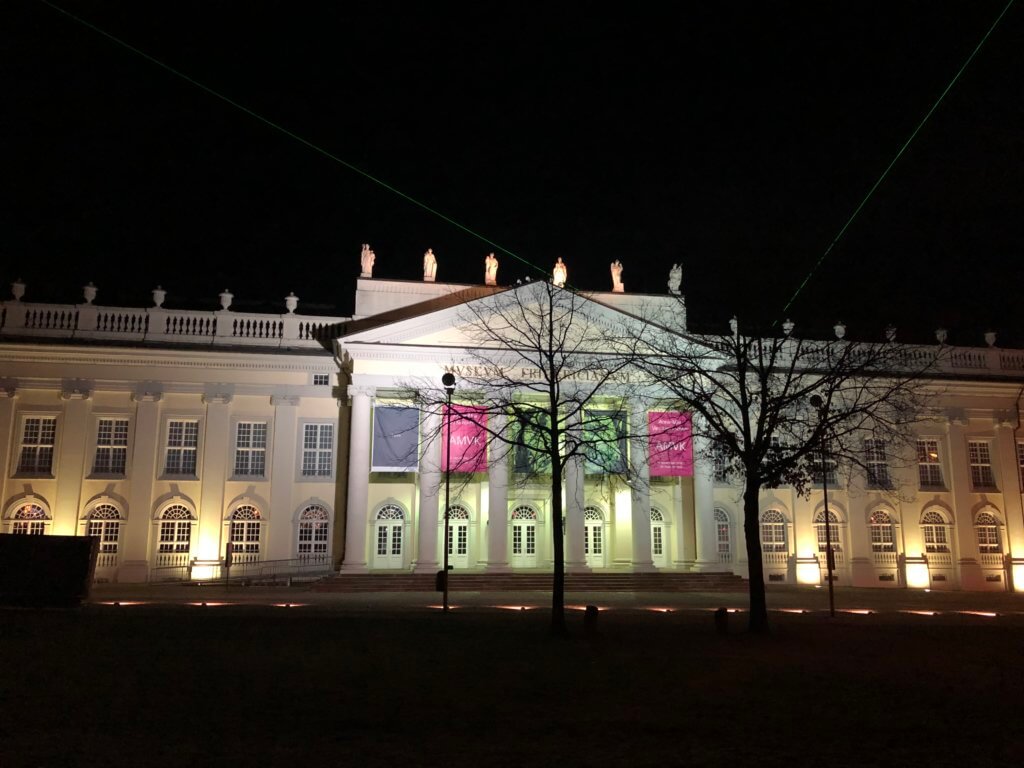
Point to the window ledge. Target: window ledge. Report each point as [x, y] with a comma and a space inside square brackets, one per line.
[33, 475]
[107, 476]
[247, 478]
[984, 489]
[170, 476]
[935, 488]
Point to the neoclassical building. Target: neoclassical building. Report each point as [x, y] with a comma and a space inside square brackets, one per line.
[172, 434]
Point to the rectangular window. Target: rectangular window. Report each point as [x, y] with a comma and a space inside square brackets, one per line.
[38, 438]
[251, 449]
[929, 468]
[182, 441]
[876, 463]
[317, 450]
[721, 466]
[831, 476]
[321, 379]
[111, 447]
[980, 456]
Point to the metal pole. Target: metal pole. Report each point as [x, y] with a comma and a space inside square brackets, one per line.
[447, 491]
[828, 531]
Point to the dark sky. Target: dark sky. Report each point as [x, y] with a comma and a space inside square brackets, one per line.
[736, 138]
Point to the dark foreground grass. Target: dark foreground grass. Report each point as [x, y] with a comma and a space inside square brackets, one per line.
[191, 686]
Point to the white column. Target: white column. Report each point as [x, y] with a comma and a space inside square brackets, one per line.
[142, 471]
[1008, 470]
[497, 499]
[358, 479]
[281, 532]
[431, 486]
[213, 474]
[575, 559]
[8, 390]
[70, 462]
[965, 546]
[706, 531]
[640, 495]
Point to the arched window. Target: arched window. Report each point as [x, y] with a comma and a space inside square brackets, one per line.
[105, 524]
[723, 536]
[175, 530]
[933, 527]
[830, 535]
[773, 531]
[314, 529]
[882, 539]
[458, 512]
[390, 512]
[245, 533]
[986, 526]
[29, 519]
[524, 512]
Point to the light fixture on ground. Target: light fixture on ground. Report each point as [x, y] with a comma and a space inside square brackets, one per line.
[822, 409]
[448, 381]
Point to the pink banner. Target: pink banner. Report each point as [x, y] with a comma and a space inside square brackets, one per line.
[671, 441]
[468, 440]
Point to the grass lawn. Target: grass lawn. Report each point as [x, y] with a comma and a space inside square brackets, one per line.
[178, 685]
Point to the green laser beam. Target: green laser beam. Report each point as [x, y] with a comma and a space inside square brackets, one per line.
[885, 173]
[290, 134]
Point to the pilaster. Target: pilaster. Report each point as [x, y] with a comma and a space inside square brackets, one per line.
[497, 500]
[429, 492]
[358, 479]
[640, 495]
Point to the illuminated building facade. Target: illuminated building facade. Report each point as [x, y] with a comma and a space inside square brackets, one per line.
[169, 434]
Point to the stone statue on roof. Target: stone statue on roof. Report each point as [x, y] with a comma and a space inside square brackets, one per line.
[617, 286]
[429, 266]
[490, 270]
[560, 273]
[675, 279]
[366, 260]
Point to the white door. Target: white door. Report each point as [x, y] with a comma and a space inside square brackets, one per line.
[658, 541]
[593, 537]
[389, 530]
[458, 537]
[524, 537]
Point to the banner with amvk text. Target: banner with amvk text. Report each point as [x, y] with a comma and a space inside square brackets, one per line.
[468, 444]
[671, 444]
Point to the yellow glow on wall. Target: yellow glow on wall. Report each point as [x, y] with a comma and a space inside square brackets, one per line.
[808, 571]
[1018, 574]
[208, 547]
[917, 573]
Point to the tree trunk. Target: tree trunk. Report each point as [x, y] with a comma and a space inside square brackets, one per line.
[752, 529]
[558, 627]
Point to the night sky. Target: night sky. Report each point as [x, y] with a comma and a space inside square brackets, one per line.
[735, 138]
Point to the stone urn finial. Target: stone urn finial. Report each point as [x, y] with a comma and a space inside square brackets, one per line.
[18, 289]
[159, 294]
[734, 325]
[291, 301]
[89, 292]
[990, 338]
[225, 299]
[788, 326]
[840, 329]
[941, 334]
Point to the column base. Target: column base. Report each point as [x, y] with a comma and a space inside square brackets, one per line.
[647, 567]
[497, 568]
[578, 568]
[353, 568]
[426, 566]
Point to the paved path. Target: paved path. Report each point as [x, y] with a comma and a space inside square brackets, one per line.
[781, 598]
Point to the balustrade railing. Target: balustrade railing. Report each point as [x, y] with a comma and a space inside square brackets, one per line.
[88, 321]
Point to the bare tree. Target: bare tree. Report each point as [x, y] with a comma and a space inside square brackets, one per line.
[548, 373]
[766, 404]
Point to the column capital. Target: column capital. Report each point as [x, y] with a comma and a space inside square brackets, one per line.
[8, 388]
[361, 389]
[292, 400]
[217, 398]
[147, 396]
[76, 390]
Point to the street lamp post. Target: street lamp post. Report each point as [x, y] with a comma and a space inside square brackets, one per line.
[819, 404]
[448, 380]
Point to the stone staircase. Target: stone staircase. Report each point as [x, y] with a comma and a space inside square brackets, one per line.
[533, 582]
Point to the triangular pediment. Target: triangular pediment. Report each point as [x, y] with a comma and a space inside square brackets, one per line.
[452, 321]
